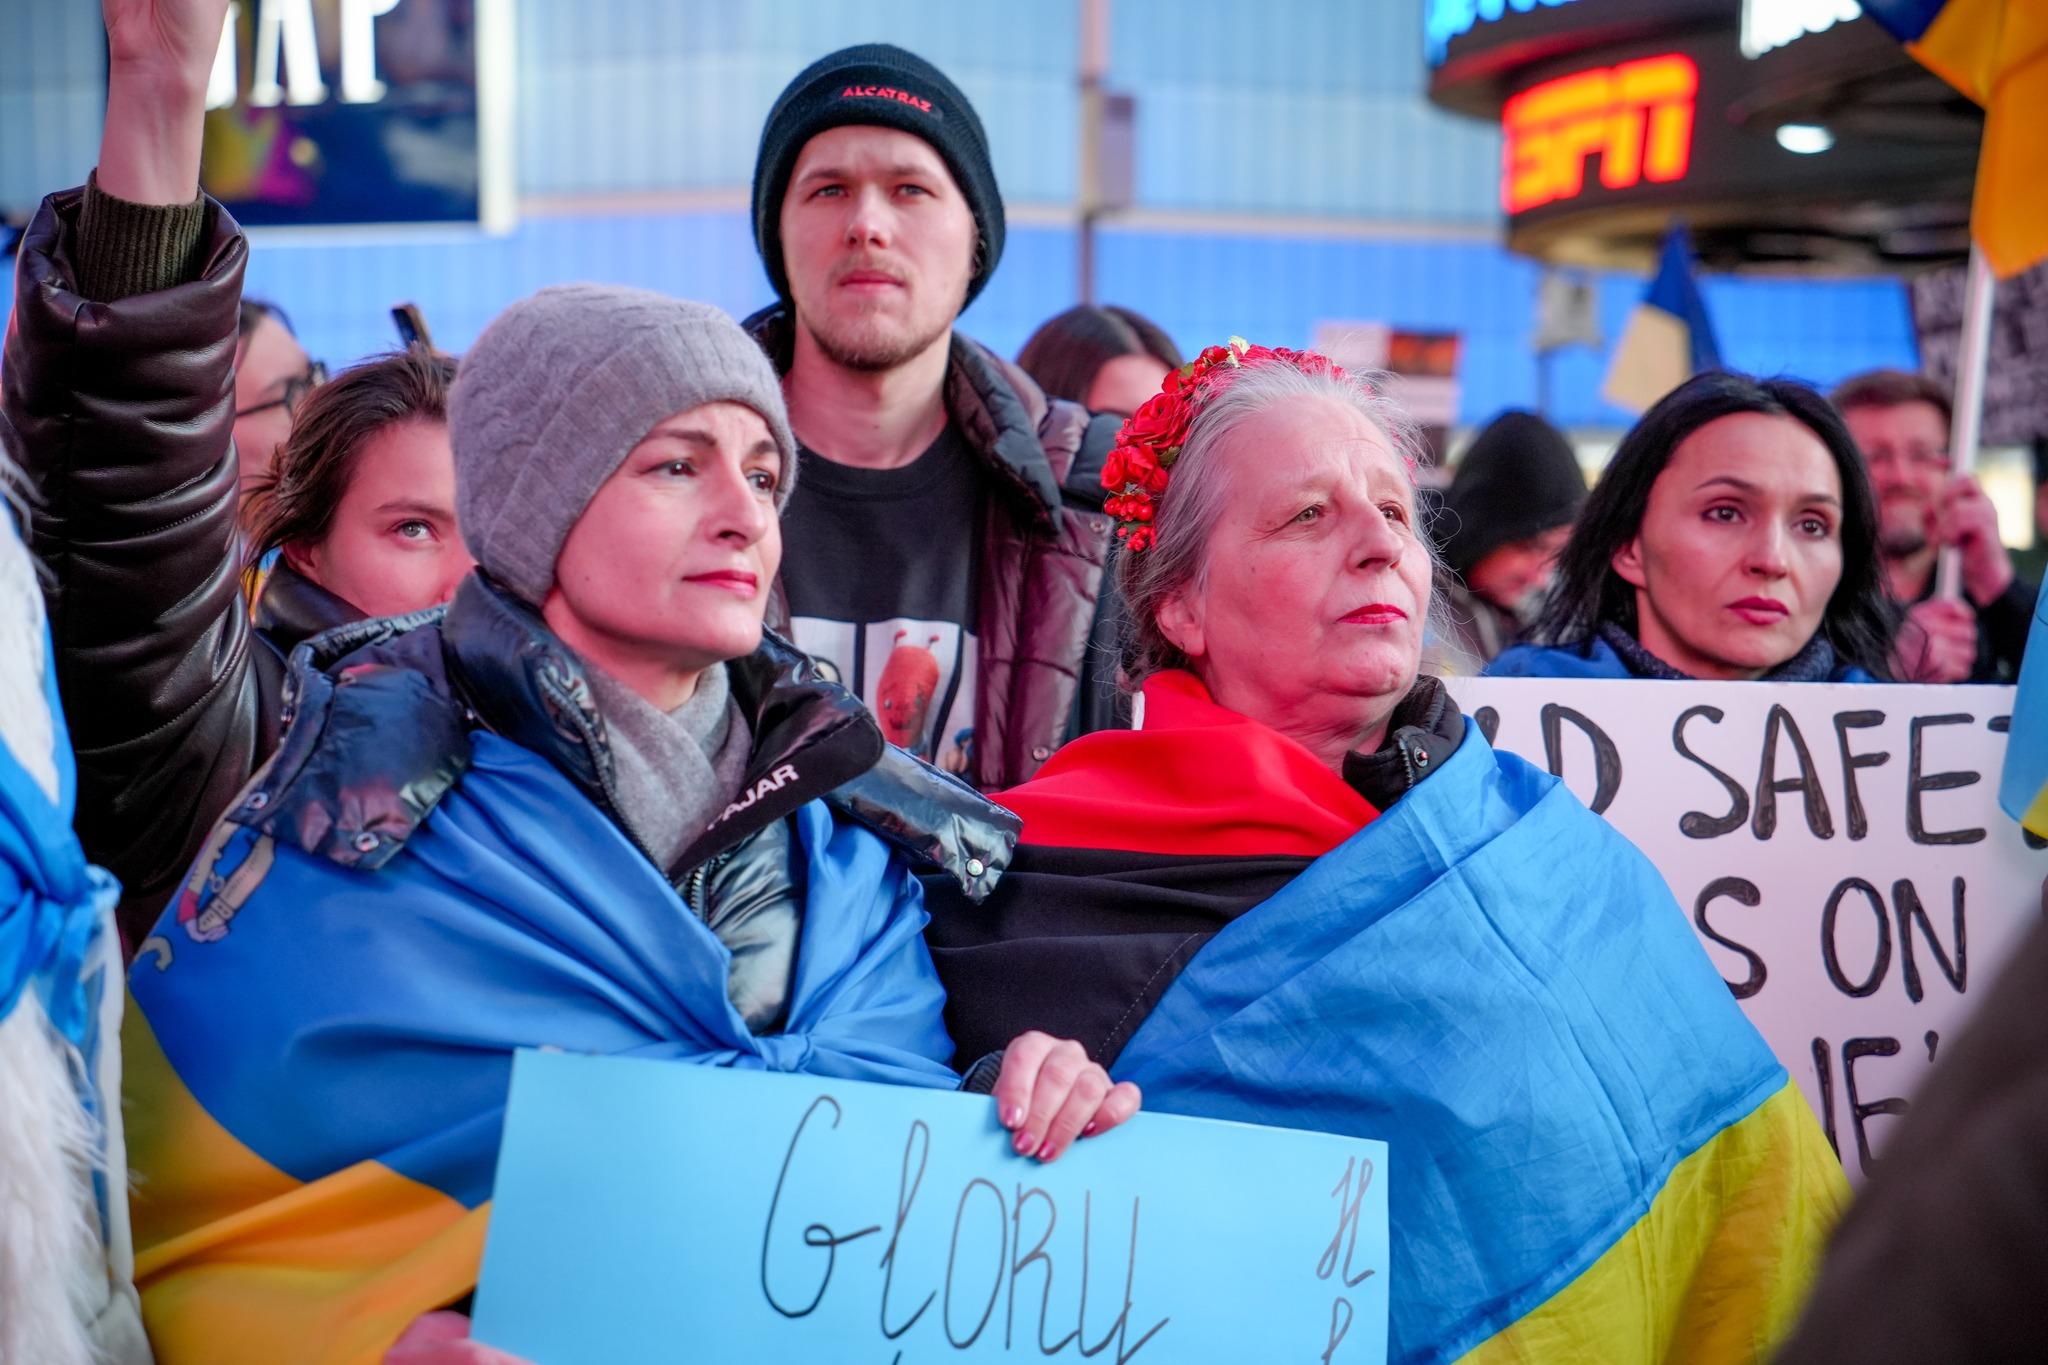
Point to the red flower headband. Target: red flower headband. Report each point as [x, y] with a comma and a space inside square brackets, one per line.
[1137, 471]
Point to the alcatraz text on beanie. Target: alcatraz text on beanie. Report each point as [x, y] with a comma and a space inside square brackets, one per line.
[876, 84]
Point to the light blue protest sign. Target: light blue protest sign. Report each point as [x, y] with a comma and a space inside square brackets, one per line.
[651, 1211]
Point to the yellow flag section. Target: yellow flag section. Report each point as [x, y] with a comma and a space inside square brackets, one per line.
[1996, 52]
[1700, 1276]
[241, 1264]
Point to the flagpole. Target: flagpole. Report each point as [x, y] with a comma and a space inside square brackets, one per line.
[1972, 360]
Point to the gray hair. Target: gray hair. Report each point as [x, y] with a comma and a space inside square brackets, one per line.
[1187, 512]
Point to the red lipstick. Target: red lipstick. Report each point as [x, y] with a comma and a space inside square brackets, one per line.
[735, 581]
[1760, 611]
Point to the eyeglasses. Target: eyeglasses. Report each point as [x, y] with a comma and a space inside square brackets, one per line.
[1922, 457]
[295, 390]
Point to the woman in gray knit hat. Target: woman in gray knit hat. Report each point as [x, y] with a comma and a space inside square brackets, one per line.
[593, 806]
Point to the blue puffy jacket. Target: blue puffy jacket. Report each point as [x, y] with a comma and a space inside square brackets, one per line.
[1595, 658]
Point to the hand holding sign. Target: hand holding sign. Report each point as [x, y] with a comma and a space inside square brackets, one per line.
[1050, 1093]
[652, 1211]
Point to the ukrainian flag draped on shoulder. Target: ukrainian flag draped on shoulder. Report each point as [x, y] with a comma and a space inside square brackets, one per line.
[1593, 1155]
[318, 1060]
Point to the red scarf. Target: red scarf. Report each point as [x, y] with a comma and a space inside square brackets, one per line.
[1198, 779]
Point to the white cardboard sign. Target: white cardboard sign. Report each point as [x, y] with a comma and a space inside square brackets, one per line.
[1838, 848]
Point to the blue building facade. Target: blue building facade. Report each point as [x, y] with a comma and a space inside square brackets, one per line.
[1287, 171]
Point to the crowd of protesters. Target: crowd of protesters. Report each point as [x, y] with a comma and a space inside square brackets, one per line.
[825, 692]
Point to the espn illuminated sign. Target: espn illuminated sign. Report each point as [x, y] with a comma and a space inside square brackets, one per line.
[1637, 116]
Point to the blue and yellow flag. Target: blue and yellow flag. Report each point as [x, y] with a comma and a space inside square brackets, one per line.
[1995, 52]
[1668, 338]
[2023, 787]
[1593, 1156]
[318, 1056]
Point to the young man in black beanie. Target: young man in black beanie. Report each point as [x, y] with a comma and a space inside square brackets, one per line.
[1507, 514]
[946, 543]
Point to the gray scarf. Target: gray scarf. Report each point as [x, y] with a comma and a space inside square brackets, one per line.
[674, 771]
[1814, 663]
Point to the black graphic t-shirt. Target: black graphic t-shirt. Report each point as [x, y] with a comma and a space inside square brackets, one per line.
[879, 566]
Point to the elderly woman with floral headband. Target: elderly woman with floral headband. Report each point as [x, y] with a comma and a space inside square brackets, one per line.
[1302, 891]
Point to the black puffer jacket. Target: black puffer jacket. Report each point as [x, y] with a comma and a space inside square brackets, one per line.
[1048, 607]
[126, 413]
[379, 716]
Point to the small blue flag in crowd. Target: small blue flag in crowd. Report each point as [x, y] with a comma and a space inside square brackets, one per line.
[1669, 337]
[2023, 791]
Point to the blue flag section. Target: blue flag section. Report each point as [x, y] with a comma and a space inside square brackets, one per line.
[2023, 788]
[1668, 338]
[1596, 1158]
[652, 1212]
[1906, 20]
[318, 1057]
[1675, 292]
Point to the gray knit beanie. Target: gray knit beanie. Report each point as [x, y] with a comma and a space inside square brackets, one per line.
[557, 391]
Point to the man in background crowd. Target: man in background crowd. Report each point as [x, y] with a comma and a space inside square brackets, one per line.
[946, 548]
[1901, 423]
[1509, 510]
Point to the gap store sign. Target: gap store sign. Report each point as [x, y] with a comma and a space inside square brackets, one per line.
[326, 112]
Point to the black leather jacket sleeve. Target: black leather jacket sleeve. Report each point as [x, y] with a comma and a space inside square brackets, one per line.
[125, 412]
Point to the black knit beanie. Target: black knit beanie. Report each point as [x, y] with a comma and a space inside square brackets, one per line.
[876, 83]
[1518, 479]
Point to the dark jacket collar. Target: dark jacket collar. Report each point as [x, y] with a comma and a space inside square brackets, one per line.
[811, 739]
[996, 405]
[292, 608]
[525, 684]
[389, 705]
[1423, 733]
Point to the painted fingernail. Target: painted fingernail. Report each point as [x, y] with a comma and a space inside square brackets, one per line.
[1089, 1131]
[1013, 1116]
[1046, 1153]
[1024, 1142]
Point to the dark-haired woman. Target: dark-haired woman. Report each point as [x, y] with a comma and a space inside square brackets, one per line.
[1106, 359]
[359, 506]
[1733, 536]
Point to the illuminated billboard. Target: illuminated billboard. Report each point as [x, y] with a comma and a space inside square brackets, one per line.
[1783, 132]
[326, 112]
[1637, 118]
